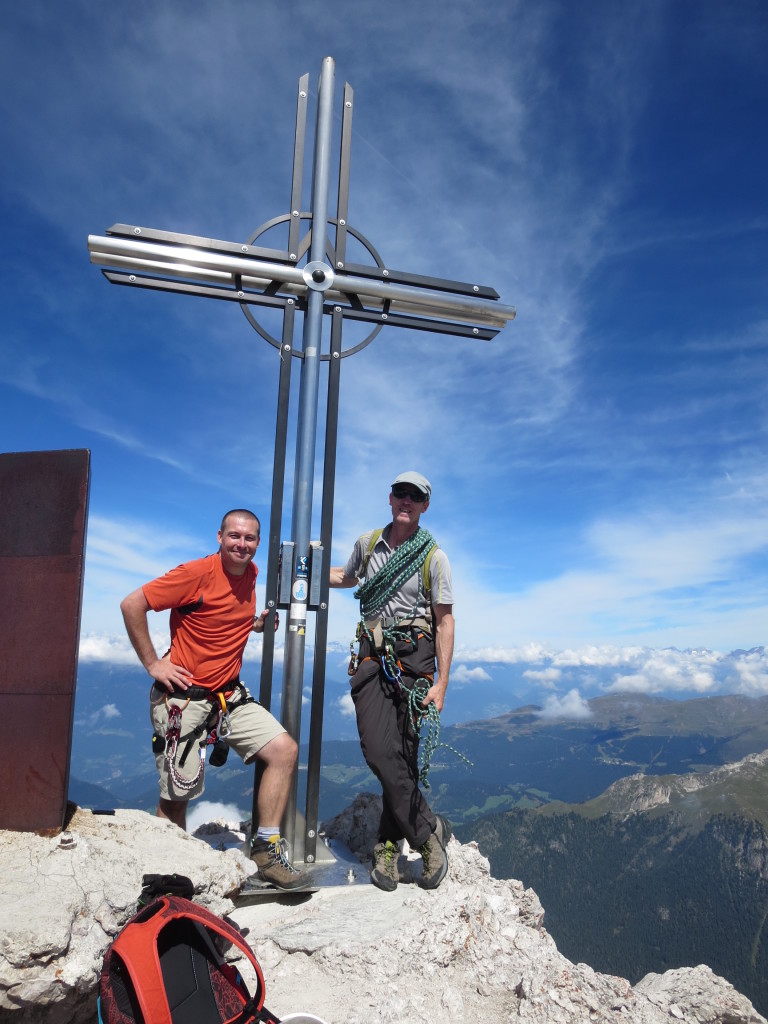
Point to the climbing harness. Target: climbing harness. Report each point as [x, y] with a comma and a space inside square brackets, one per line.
[424, 720]
[212, 731]
[172, 737]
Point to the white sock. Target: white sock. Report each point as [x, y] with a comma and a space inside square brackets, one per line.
[268, 832]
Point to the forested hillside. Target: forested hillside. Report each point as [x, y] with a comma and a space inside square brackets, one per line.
[629, 894]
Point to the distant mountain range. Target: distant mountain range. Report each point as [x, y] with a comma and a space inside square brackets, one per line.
[519, 759]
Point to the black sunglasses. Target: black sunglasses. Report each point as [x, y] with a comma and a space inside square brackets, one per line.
[401, 491]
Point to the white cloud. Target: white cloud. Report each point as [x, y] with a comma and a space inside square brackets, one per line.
[469, 675]
[96, 721]
[117, 649]
[346, 706]
[202, 811]
[749, 673]
[547, 677]
[683, 572]
[528, 653]
[572, 705]
[669, 671]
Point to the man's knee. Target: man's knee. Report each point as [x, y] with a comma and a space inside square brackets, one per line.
[282, 751]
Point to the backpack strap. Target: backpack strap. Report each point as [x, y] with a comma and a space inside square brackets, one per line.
[425, 570]
[371, 545]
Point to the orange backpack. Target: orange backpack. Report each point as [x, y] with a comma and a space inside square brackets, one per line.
[165, 967]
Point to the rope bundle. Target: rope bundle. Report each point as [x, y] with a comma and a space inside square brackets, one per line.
[405, 561]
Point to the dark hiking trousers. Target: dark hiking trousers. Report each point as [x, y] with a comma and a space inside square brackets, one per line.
[389, 742]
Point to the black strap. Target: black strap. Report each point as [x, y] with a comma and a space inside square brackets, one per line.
[203, 693]
[153, 886]
[197, 732]
[251, 1013]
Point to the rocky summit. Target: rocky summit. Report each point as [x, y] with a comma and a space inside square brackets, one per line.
[475, 948]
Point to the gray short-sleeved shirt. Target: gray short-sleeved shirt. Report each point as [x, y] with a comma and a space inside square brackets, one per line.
[409, 601]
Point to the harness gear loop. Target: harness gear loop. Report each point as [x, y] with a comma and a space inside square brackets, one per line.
[424, 720]
[215, 727]
[172, 738]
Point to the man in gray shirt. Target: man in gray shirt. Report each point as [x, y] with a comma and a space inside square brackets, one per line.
[406, 607]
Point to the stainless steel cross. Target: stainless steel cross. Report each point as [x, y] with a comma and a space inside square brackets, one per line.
[311, 275]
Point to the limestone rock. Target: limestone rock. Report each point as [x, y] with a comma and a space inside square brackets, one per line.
[62, 900]
[473, 948]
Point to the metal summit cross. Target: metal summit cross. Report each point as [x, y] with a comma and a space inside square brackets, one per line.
[312, 275]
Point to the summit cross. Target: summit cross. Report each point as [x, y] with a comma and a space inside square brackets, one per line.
[313, 276]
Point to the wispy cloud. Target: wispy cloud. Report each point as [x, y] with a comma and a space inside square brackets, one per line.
[599, 471]
[470, 675]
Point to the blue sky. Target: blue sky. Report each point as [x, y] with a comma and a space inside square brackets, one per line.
[599, 471]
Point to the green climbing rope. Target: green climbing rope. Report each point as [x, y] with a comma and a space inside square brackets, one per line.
[425, 720]
[405, 561]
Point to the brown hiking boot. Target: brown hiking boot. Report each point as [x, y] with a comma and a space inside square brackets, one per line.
[434, 862]
[269, 857]
[384, 873]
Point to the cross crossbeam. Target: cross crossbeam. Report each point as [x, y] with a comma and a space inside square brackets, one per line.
[245, 276]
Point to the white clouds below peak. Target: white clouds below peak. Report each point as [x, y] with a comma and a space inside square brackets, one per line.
[571, 705]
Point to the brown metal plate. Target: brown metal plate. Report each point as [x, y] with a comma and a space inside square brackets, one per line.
[43, 515]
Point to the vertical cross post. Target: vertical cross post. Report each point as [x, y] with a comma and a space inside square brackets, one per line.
[293, 667]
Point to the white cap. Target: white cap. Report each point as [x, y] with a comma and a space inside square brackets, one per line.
[417, 480]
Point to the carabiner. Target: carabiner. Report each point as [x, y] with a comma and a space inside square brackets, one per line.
[224, 727]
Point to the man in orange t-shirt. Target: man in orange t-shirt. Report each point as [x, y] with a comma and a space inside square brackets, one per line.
[213, 612]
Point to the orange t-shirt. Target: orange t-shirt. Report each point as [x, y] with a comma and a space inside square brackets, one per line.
[211, 618]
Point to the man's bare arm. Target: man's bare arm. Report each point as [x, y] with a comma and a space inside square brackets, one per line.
[338, 579]
[444, 631]
[172, 677]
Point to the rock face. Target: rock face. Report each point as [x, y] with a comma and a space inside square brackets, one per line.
[636, 794]
[62, 900]
[474, 948]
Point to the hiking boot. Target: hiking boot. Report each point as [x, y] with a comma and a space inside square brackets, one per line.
[269, 857]
[443, 829]
[434, 862]
[384, 873]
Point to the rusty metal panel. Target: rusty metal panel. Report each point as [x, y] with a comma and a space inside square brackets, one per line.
[43, 516]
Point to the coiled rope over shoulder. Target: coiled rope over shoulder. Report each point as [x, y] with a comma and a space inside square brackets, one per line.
[407, 559]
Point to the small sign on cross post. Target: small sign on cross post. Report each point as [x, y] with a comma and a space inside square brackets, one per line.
[312, 276]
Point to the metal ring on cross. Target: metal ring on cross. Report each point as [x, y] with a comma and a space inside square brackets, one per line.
[318, 276]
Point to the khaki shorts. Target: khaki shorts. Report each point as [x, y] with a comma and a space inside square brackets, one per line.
[252, 728]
